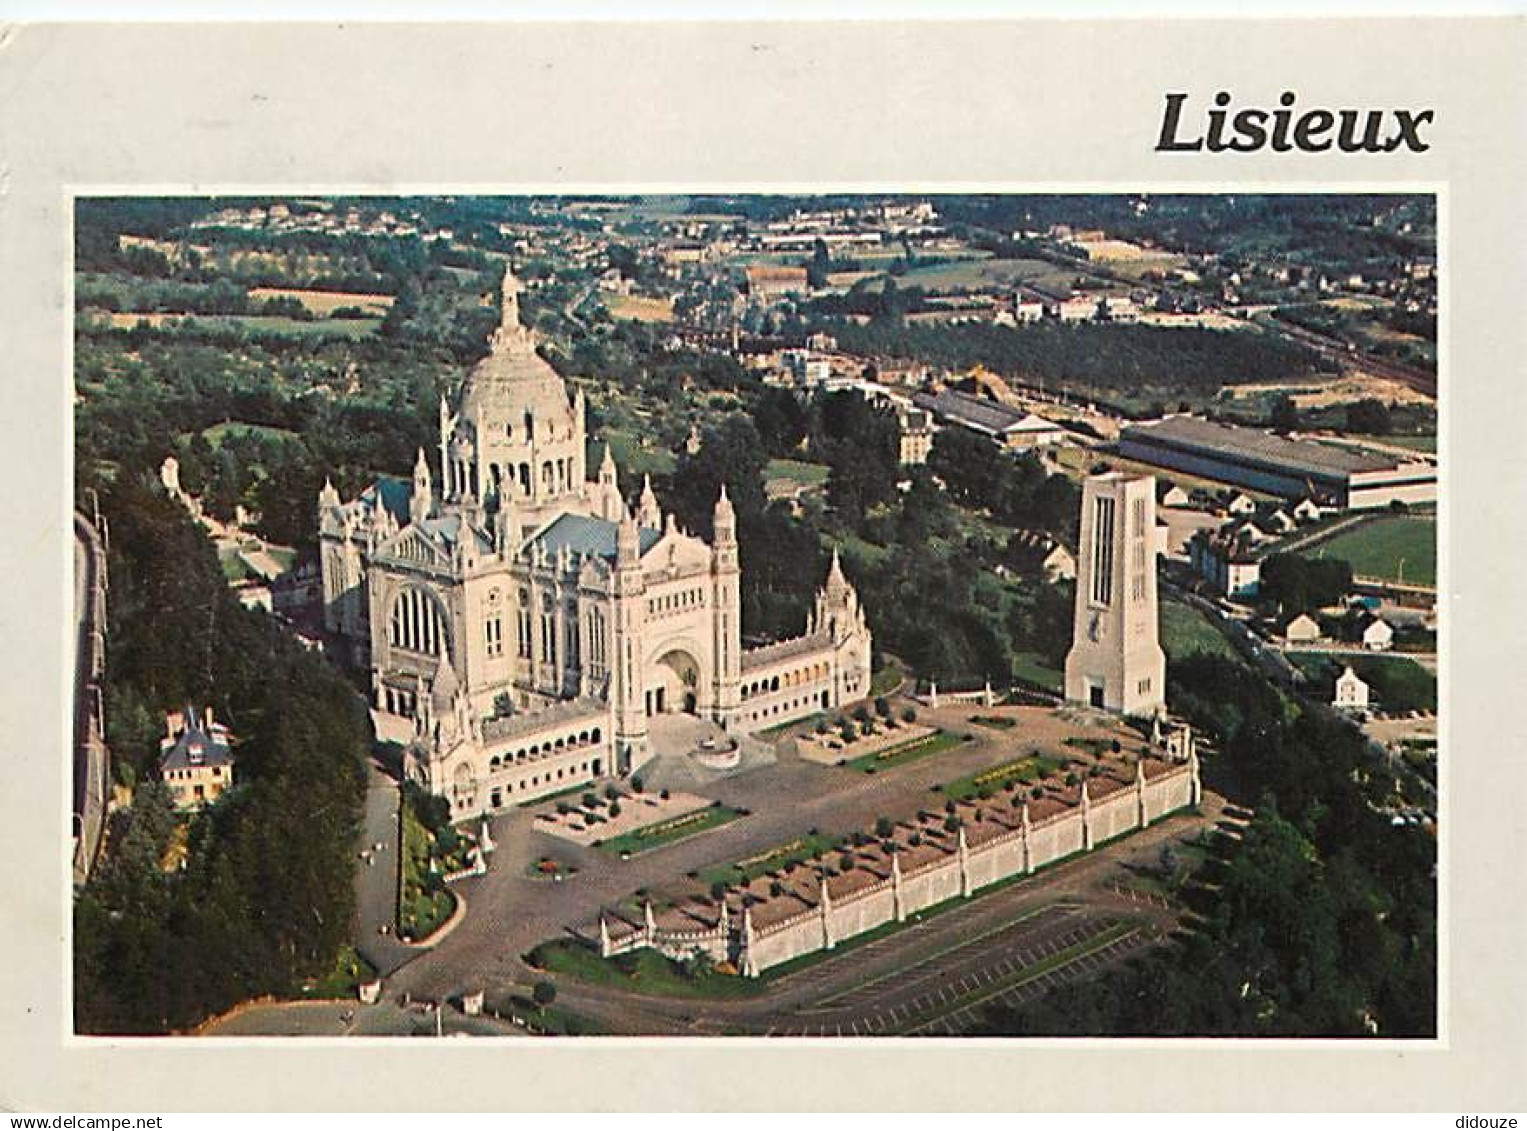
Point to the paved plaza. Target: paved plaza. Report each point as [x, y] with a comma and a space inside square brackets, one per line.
[929, 975]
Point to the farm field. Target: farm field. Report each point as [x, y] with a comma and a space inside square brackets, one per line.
[1396, 548]
[639, 308]
[252, 323]
[976, 273]
[1415, 443]
[326, 302]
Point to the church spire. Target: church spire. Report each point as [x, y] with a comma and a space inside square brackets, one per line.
[648, 513]
[725, 519]
[509, 302]
[420, 501]
[627, 541]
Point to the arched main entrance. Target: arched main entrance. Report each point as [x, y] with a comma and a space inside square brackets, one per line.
[673, 684]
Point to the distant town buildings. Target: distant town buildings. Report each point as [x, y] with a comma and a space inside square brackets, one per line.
[1012, 428]
[771, 281]
[195, 758]
[914, 436]
[1227, 564]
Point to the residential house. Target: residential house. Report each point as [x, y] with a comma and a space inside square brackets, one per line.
[1303, 629]
[1351, 692]
[195, 758]
[1378, 636]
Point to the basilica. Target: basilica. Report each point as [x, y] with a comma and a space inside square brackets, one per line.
[530, 623]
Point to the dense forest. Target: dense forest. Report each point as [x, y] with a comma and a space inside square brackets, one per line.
[264, 898]
[1139, 360]
[904, 536]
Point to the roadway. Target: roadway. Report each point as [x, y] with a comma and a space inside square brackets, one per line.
[376, 883]
[89, 760]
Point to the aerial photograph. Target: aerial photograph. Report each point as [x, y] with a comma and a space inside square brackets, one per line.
[863, 615]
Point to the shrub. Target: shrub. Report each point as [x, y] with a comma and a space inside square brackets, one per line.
[589, 799]
[717, 891]
[951, 823]
[664, 795]
[861, 713]
[776, 888]
[846, 862]
[1072, 779]
[611, 793]
[615, 808]
[883, 826]
[636, 784]
[544, 993]
[882, 706]
[909, 715]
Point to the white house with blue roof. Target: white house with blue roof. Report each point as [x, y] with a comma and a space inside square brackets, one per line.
[531, 624]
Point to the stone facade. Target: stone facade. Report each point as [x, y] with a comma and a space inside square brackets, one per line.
[530, 623]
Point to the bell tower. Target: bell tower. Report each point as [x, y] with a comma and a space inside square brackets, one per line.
[1116, 662]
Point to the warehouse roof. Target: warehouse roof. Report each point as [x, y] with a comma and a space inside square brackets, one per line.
[1231, 441]
[981, 414]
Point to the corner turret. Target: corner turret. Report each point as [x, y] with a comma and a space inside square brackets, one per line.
[421, 501]
[648, 513]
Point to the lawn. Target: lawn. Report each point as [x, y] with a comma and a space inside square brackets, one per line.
[806, 847]
[798, 471]
[1031, 668]
[234, 569]
[1031, 767]
[639, 971]
[1398, 684]
[667, 831]
[422, 905]
[1186, 632]
[218, 432]
[633, 456]
[1395, 547]
[350, 970]
[911, 751]
[888, 678]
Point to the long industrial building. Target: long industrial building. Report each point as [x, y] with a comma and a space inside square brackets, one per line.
[1293, 469]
